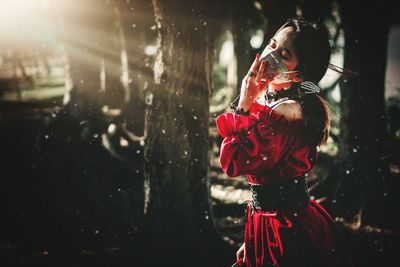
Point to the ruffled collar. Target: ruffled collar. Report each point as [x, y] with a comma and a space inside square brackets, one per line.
[295, 92]
[292, 93]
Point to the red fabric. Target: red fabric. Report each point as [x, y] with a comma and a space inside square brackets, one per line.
[267, 149]
[264, 146]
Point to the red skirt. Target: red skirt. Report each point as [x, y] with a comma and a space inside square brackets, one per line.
[301, 237]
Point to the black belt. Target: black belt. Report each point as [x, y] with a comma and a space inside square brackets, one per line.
[291, 194]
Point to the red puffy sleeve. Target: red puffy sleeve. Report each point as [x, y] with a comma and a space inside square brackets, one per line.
[254, 144]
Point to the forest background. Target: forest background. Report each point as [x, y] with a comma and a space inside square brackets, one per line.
[110, 151]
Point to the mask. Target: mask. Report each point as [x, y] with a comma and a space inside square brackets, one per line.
[274, 67]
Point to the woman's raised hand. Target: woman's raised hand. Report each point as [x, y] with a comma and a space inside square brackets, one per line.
[252, 84]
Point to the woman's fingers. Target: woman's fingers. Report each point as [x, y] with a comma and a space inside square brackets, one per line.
[244, 254]
[263, 85]
[238, 257]
[260, 72]
[241, 253]
[254, 66]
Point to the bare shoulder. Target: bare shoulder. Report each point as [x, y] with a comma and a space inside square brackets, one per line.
[290, 109]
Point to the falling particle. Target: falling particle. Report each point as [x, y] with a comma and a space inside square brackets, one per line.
[170, 162]
[248, 161]
[196, 159]
[195, 28]
[180, 105]
[163, 131]
[347, 171]
[153, 28]
[46, 136]
[194, 117]
[206, 217]
[137, 151]
[385, 194]
[96, 232]
[53, 115]
[81, 81]
[205, 23]
[112, 128]
[119, 189]
[265, 158]
[137, 171]
[95, 135]
[185, 152]
[123, 142]
[134, 25]
[355, 150]
[296, 181]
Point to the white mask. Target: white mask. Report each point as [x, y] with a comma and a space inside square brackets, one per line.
[274, 67]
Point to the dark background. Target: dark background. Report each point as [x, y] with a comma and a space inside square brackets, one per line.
[82, 140]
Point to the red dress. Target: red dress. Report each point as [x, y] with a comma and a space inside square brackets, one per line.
[267, 148]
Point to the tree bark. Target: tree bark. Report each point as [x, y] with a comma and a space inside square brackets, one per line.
[363, 126]
[243, 15]
[176, 150]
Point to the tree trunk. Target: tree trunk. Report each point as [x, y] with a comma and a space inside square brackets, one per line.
[242, 15]
[177, 144]
[362, 126]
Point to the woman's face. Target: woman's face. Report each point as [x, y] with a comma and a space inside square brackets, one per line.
[282, 44]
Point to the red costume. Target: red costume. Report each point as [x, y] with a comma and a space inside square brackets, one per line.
[268, 149]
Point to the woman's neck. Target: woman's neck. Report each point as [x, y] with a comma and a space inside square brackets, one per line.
[290, 92]
[274, 87]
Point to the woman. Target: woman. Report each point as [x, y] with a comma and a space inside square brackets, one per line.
[272, 138]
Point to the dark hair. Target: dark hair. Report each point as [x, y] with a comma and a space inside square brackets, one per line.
[316, 120]
[311, 43]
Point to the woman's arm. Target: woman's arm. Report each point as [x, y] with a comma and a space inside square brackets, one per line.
[251, 144]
